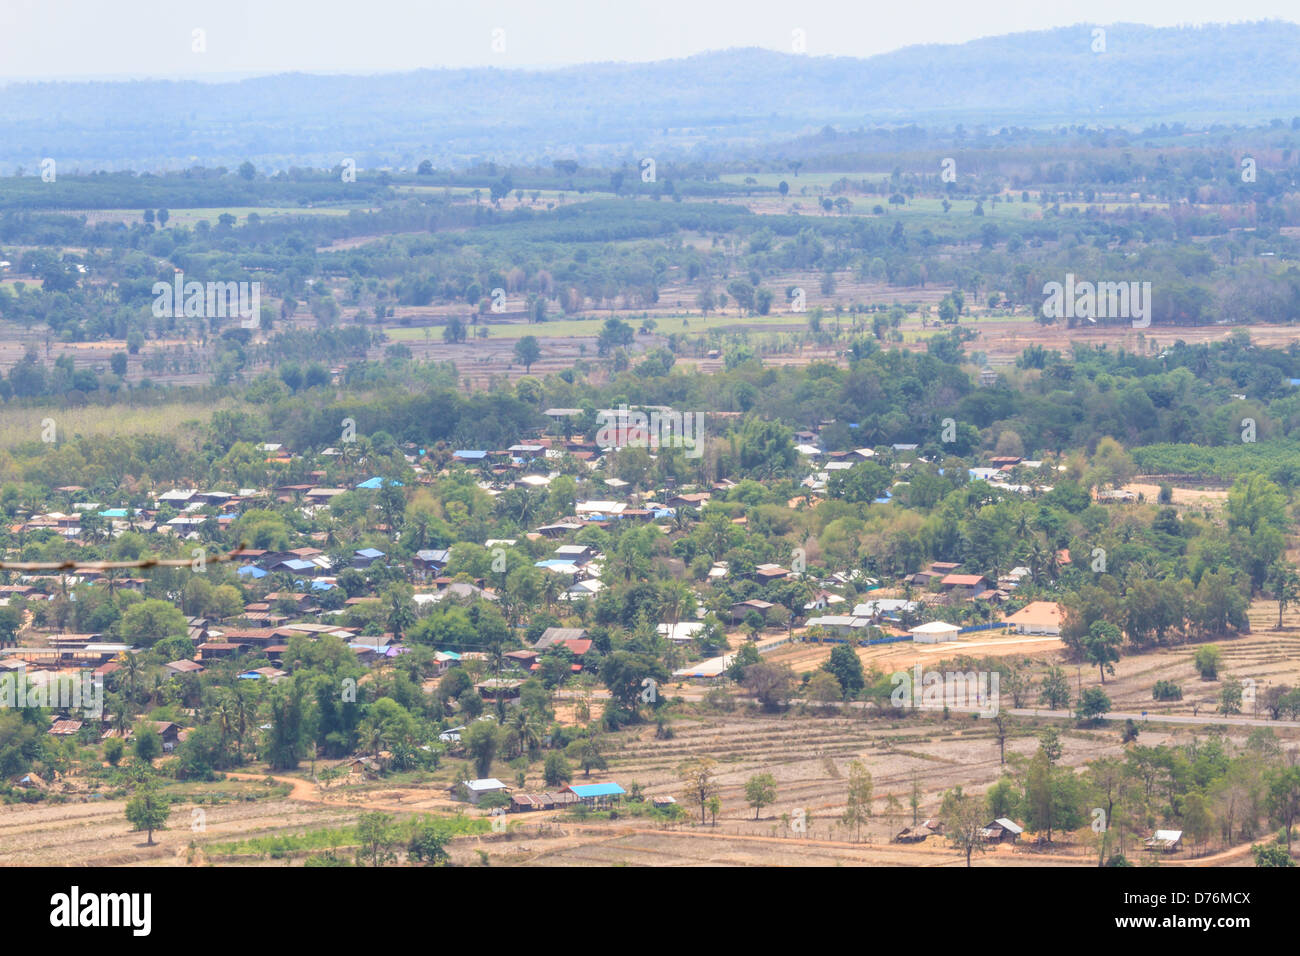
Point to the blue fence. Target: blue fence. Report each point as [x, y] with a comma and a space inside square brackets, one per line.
[845, 640]
[983, 627]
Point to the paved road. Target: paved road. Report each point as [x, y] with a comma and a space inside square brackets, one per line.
[1236, 721]
[1220, 719]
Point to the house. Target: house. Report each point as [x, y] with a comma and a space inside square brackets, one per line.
[177, 668]
[1037, 617]
[29, 781]
[920, 832]
[934, 632]
[478, 789]
[213, 650]
[1165, 841]
[841, 625]
[583, 589]
[596, 793]
[578, 554]
[360, 767]
[964, 586]
[884, 609]
[821, 599]
[525, 802]
[295, 566]
[431, 560]
[557, 799]
[559, 530]
[770, 572]
[741, 609]
[1001, 830]
[363, 558]
[559, 635]
[322, 496]
[499, 688]
[683, 632]
[1116, 497]
[696, 500]
[169, 732]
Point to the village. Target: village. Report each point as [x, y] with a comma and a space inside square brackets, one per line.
[270, 589]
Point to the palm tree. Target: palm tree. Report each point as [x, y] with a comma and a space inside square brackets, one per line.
[550, 588]
[224, 717]
[1037, 561]
[373, 736]
[526, 727]
[131, 674]
[243, 717]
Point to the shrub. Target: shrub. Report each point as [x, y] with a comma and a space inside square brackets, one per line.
[1166, 690]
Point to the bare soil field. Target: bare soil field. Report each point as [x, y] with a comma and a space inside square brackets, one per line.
[1182, 497]
[96, 833]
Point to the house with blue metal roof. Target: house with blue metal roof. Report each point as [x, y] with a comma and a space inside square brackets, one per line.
[596, 792]
[295, 566]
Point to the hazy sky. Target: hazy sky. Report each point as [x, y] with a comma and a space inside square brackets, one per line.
[75, 38]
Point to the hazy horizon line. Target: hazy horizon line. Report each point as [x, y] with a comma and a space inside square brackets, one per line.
[217, 77]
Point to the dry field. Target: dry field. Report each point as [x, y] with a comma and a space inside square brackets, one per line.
[96, 832]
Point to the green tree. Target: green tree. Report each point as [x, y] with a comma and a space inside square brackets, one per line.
[527, 351]
[1284, 799]
[587, 751]
[1206, 660]
[857, 808]
[772, 684]
[698, 777]
[556, 771]
[377, 837]
[626, 673]
[1093, 705]
[150, 621]
[845, 664]
[760, 791]
[1055, 689]
[11, 622]
[963, 819]
[146, 742]
[482, 740]
[428, 842]
[1285, 585]
[148, 811]
[1101, 646]
[1272, 856]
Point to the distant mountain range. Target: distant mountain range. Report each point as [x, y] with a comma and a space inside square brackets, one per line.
[706, 106]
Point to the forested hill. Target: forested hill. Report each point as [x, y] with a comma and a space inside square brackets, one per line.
[705, 105]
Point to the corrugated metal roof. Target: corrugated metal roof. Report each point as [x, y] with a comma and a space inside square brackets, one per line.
[597, 789]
